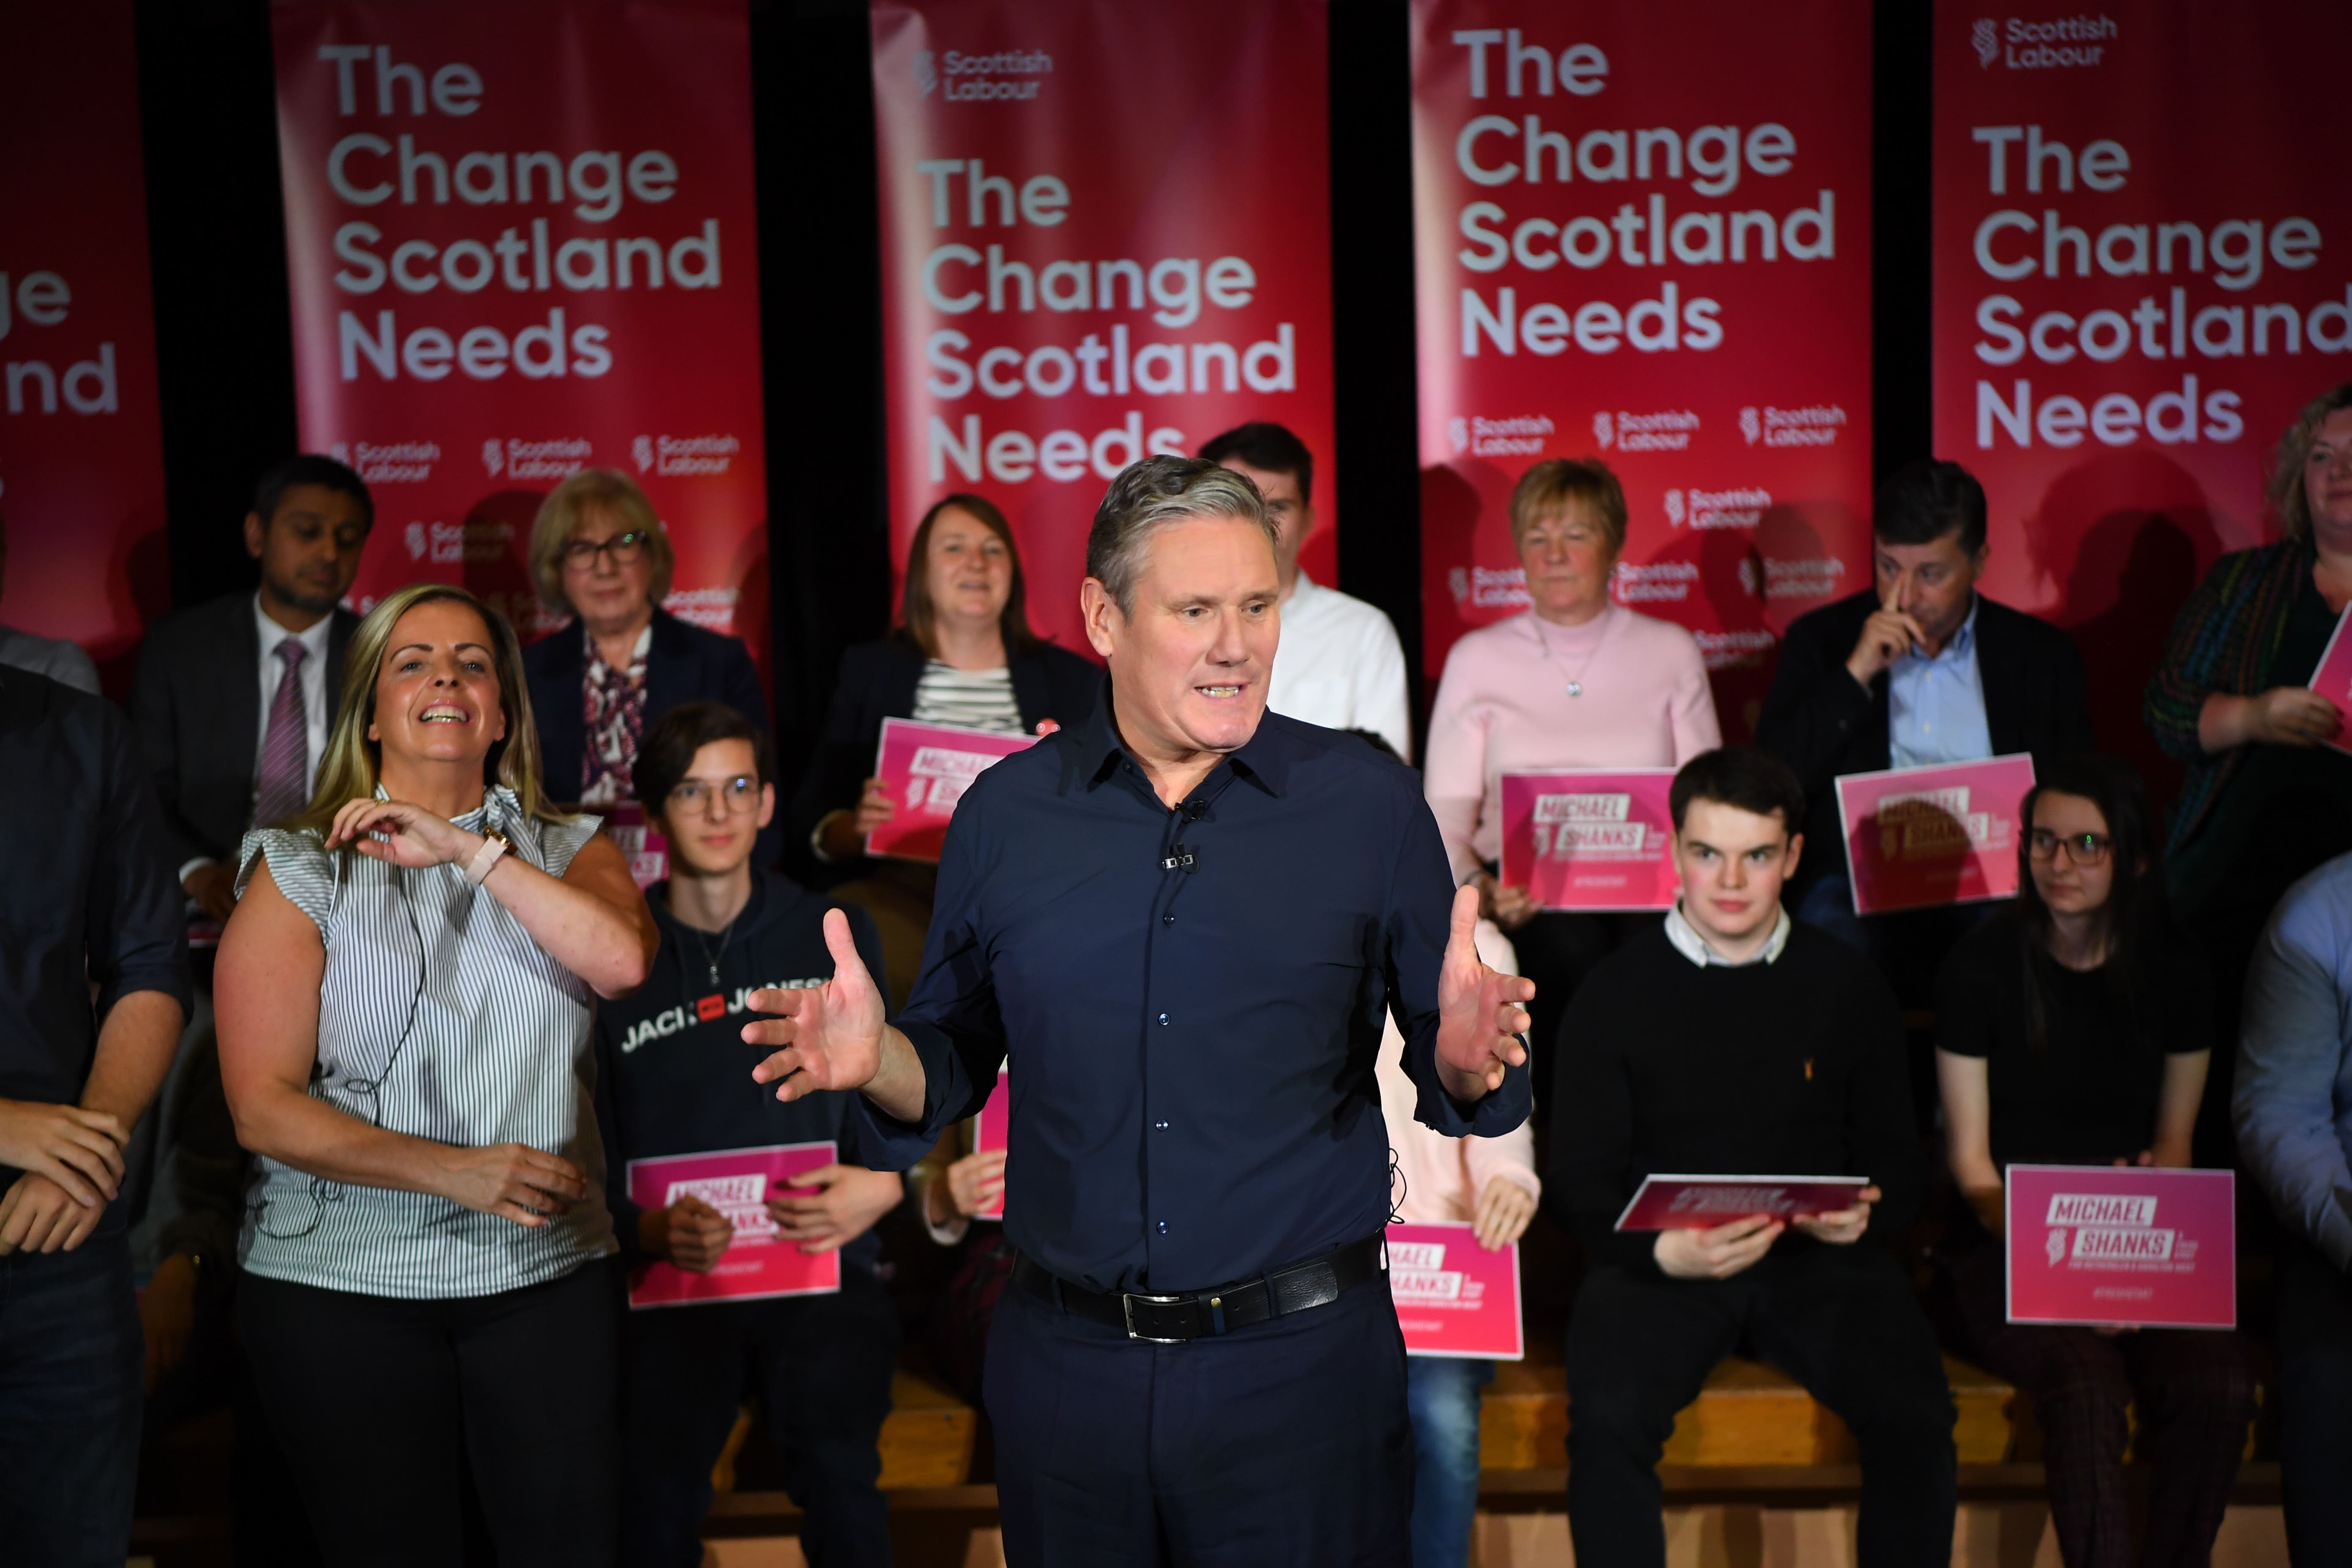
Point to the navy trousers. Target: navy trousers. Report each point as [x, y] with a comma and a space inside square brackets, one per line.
[1285, 1443]
[824, 1364]
[71, 1362]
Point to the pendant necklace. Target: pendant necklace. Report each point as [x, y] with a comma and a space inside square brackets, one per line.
[1576, 680]
[709, 958]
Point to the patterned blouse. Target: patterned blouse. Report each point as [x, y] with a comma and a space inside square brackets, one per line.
[440, 1017]
[613, 703]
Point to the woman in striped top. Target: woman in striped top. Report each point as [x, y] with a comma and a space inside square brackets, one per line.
[962, 653]
[404, 996]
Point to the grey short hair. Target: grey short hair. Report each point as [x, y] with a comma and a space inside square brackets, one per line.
[1149, 495]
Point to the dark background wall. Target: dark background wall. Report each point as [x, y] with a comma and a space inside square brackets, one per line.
[224, 342]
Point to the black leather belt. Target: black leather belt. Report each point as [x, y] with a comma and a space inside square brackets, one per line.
[1195, 1315]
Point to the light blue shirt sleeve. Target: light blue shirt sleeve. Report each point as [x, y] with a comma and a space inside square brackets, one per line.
[1935, 706]
[2292, 1103]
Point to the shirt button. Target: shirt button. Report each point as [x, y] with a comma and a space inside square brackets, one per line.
[1168, 920]
[1161, 1126]
[1163, 1020]
[1163, 1227]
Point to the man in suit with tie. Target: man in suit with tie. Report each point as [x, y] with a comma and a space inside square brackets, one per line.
[234, 699]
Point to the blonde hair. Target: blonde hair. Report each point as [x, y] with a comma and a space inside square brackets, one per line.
[2287, 493]
[353, 764]
[561, 515]
[1558, 482]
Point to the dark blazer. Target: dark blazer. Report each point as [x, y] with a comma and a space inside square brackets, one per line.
[684, 663]
[195, 703]
[876, 682]
[1821, 723]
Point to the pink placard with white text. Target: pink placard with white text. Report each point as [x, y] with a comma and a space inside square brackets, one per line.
[993, 1130]
[927, 768]
[1701, 1202]
[647, 850]
[737, 1182]
[1917, 837]
[2122, 1246]
[2332, 679]
[1590, 840]
[1454, 1297]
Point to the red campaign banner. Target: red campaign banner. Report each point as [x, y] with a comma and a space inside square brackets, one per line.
[1106, 233]
[81, 454]
[522, 242]
[1947, 834]
[2133, 297]
[1643, 234]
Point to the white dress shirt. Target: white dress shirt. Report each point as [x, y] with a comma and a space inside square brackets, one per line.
[1339, 665]
[1697, 948]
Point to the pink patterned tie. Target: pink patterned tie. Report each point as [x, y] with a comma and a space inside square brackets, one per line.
[286, 749]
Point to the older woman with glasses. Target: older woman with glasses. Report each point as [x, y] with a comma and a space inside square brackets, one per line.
[599, 555]
[2074, 1029]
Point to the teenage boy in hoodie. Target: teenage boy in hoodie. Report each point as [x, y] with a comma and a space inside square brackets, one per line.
[674, 1077]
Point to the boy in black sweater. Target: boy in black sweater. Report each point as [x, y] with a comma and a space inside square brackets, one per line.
[1731, 1041]
[674, 1077]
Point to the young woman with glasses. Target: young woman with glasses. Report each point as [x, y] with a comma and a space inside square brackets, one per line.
[2074, 1029]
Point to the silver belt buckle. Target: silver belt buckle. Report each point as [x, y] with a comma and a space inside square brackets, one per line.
[1127, 1301]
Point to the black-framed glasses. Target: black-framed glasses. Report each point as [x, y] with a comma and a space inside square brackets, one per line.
[2081, 848]
[623, 547]
[738, 793]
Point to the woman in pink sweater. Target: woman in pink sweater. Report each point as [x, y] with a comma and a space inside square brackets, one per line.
[1575, 682]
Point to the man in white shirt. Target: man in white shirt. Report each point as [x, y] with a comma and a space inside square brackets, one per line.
[231, 726]
[1338, 663]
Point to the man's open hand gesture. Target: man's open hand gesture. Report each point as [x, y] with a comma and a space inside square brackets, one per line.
[1480, 1013]
[829, 1036]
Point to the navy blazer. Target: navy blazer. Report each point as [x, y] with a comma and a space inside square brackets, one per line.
[195, 703]
[1822, 724]
[876, 682]
[685, 663]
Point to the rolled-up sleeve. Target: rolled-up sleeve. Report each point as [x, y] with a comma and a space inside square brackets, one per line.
[951, 1019]
[1419, 920]
[2291, 1065]
[137, 934]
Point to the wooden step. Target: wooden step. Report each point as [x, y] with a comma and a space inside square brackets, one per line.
[1749, 1414]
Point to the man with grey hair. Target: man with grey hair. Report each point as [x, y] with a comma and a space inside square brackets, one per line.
[1198, 1360]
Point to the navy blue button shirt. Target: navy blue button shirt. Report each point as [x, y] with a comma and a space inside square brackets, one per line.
[1190, 1000]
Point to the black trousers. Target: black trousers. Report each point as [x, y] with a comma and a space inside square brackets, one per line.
[1287, 1442]
[1840, 1320]
[70, 1365]
[2314, 1351]
[376, 1403]
[824, 1364]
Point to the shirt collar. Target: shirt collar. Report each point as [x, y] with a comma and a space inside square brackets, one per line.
[1693, 946]
[1961, 644]
[314, 641]
[1094, 750]
[1304, 589]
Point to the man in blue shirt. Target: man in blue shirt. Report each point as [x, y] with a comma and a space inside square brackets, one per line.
[1919, 668]
[1183, 921]
[2292, 1107]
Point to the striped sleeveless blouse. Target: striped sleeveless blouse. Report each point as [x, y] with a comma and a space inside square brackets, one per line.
[440, 1017]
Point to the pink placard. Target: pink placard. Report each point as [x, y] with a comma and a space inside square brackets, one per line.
[1454, 1298]
[2332, 679]
[1586, 838]
[737, 1182]
[1701, 1202]
[993, 1130]
[1944, 835]
[647, 850]
[927, 768]
[2122, 1246]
